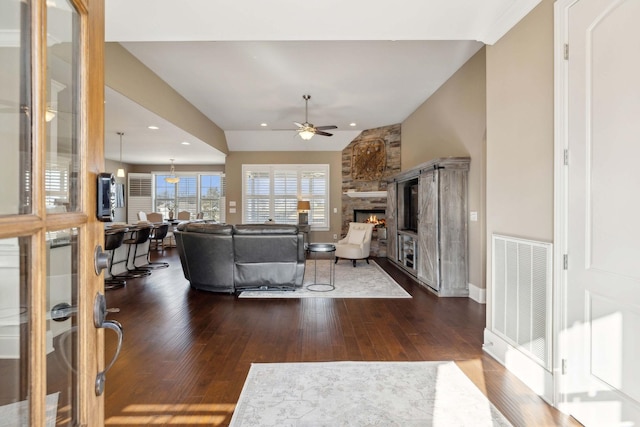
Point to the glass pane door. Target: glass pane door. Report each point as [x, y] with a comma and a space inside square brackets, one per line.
[50, 350]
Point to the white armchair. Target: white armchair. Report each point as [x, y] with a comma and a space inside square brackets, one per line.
[356, 244]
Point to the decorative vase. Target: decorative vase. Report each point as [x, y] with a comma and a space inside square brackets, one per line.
[171, 215]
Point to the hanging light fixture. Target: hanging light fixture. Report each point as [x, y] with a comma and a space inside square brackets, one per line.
[172, 178]
[120, 172]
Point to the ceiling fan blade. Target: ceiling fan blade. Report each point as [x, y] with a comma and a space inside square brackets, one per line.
[300, 125]
[326, 127]
[319, 132]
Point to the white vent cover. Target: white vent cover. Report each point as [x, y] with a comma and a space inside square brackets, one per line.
[521, 295]
[140, 195]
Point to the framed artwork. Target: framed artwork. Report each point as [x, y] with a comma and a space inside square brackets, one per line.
[368, 160]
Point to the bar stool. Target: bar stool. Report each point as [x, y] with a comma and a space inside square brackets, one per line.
[140, 236]
[112, 241]
[158, 234]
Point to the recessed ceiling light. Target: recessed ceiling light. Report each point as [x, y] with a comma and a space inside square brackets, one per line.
[352, 124]
[264, 125]
[185, 143]
[153, 127]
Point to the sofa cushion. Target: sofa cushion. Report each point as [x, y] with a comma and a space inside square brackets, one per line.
[262, 229]
[208, 228]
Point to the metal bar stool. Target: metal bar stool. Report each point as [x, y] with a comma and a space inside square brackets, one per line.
[112, 241]
[158, 234]
[140, 236]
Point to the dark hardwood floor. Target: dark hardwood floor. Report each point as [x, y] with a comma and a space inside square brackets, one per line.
[187, 353]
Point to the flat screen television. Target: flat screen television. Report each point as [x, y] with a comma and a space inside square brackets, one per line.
[410, 205]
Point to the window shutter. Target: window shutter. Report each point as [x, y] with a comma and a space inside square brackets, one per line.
[285, 196]
[257, 195]
[140, 195]
[315, 189]
[273, 191]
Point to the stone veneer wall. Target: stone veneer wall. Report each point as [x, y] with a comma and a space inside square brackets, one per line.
[391, 137]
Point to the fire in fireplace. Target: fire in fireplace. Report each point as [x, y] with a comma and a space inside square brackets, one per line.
[374, 216]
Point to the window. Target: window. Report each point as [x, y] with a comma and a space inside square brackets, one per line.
[195, 193]
[273, 191]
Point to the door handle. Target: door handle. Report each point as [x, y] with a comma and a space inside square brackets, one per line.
[63, 311]
[99, 320]
[100, 260]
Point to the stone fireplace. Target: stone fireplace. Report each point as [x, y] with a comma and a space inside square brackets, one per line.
[367, 162]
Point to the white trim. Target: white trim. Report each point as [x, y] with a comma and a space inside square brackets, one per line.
[560, 214]
[477, 294]
[512, 15]
[522, 366]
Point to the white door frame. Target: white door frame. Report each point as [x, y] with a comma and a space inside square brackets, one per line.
[560, 219]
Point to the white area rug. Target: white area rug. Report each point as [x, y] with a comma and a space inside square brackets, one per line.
[363, 281]
[362, 394]
[17, 414]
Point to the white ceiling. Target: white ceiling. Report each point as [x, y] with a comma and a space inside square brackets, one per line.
[141, 145]
[243, 63]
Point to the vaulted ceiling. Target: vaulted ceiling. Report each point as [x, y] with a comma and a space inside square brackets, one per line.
[248, 63]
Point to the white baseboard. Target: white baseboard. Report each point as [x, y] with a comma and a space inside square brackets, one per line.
[477, 294]
[528, 371]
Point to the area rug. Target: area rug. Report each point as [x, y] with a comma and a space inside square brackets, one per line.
[362, 394]
[17, 414]
[363, 281]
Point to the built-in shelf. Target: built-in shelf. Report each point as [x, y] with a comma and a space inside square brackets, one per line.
[366, 193]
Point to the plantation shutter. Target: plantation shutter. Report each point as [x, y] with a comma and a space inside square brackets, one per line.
[140, 195]
[273, 192]
[285, 196]
[56, 182]
[314, 187]
[257, 196]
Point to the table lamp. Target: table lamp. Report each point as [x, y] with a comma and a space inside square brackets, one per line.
[303, 208]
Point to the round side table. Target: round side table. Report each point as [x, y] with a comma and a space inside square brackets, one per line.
[315, 248]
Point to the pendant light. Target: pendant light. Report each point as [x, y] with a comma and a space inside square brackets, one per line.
[120, 172]
[172, 178]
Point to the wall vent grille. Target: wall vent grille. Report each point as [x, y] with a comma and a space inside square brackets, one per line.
[521, 295]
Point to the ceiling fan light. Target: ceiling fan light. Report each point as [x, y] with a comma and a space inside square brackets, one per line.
[306, 134]
[120, 173]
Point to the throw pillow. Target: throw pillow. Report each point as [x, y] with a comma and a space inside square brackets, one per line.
[356, 237]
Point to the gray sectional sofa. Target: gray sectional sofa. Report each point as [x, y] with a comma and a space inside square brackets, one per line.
[233, 258]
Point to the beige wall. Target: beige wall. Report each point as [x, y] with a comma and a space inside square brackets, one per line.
[236, 159]
[126, 74]
[520, 131]
[452, 122]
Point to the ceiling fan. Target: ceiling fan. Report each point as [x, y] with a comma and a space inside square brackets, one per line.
[306, 130]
